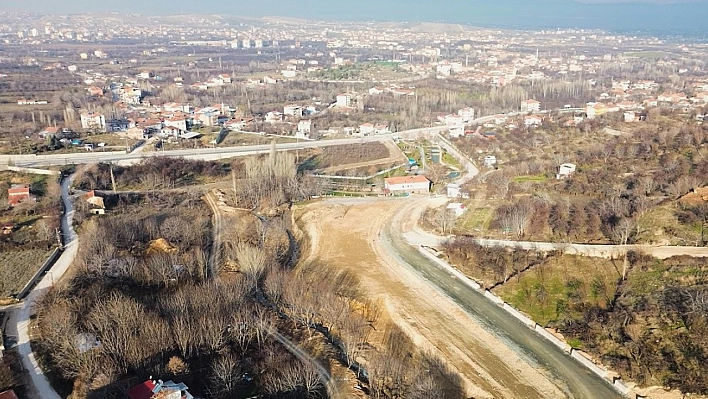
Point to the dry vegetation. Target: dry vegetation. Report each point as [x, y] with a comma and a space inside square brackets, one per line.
[350, 154]
[33, 237]
[620, 181]
[154, 173]
[650, 326]
[141, 289]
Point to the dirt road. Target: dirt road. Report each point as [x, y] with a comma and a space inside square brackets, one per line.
[348, 234]
[416, 236]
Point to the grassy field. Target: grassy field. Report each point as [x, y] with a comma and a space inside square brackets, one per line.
[532, 178]
[17, 267]
[475, 220]
[661, 223]
[562, 287]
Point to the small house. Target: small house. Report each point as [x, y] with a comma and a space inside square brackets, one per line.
[95, 202]
[9, 394]
[18, 193]
[407, 184]
[152, 389]
[490, 161]
[453, 190]
[565, 171]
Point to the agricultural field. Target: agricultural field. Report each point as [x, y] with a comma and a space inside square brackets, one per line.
[29, 229]
[17, 267]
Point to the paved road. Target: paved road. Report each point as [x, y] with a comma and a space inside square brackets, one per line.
[19, 321]
[572, 378]
[202, 153]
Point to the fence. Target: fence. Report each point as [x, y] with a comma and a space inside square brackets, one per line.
[37, 276]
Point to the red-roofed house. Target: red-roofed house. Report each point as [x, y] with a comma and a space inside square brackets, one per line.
[142, 391]
[17, 194]
[9, 394]
[407, 184]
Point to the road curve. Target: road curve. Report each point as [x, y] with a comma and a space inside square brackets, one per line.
[19, 321]
[572, 378]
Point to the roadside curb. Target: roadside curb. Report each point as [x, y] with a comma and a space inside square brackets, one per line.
[580, 356]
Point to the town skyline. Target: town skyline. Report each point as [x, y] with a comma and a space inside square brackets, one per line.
[668, 17]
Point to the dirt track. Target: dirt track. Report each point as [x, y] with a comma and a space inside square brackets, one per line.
[345, 234]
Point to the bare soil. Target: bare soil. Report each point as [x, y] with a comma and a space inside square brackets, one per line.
[343, 233]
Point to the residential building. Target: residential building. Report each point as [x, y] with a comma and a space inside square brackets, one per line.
[456, 131]
[467, 114]
[490, 161]
[152, 389]
[530, 106]
[565, 171]
[49, 131]
[366, 129]
[93, 121]
[630, 116]
[532, 120]
[293, 110]
[177, 122]
[18, 193]
[407, 184]
[273, 117]
[344, 100]
[453, 190]
[380, 128]
[304, 127]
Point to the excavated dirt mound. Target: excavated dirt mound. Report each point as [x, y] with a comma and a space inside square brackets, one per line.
[160, 246]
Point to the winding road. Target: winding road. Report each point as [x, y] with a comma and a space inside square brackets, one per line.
[18, 324]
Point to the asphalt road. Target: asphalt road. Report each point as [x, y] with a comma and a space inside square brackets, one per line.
[202, 153]
[572, 378]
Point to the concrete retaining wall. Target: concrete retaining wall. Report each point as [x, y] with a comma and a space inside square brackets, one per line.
[599, 370]
[493, 298]
[523, 318]
[553, 339]
[33, 170]
[621, 386]
[450, 269]
[37, 276]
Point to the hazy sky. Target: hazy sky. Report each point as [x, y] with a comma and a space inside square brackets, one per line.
[659, 15]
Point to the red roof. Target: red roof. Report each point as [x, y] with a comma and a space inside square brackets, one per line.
[142, 391]
[10, 394]
[406, 179]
